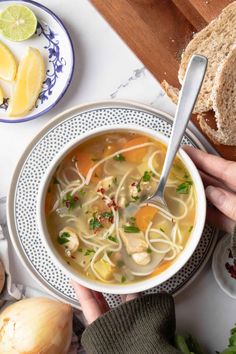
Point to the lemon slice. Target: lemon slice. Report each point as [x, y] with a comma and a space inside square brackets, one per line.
[8, 65]
[30, 76]
[18, 23]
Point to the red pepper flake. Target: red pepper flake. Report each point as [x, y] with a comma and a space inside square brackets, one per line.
[73, 257]
[76, 198]
[67, 204]
[113, 204]
[101, 190]
[133, 184]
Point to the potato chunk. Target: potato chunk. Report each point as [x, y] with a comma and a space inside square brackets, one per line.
[104, 269]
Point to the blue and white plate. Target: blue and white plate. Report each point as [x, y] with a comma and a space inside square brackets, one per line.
[54, 43]
[22, 200]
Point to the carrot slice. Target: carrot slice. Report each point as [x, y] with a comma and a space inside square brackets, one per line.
[144, 216]
[161, 268]
[84, 161]
[138, 154]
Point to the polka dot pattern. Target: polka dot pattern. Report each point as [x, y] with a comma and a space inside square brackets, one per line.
[34, 169]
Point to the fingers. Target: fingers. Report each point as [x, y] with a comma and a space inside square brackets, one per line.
[219, 220]
[223, 200]
[92, 305]
[101, 301]
[129, 297]
[214, 165]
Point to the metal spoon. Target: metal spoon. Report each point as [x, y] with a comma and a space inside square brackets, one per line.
[188, 95]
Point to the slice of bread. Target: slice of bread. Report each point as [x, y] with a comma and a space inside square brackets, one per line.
[215, 42]
[224, 102]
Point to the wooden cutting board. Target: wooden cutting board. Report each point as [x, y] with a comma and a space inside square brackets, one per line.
[158, 31]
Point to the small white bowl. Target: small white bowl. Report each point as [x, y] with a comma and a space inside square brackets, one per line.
[142, 284]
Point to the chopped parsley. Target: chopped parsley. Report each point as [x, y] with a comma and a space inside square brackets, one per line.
[149, 250]
[107, 214]
[80, 250]
[63, 238]
[94, 223]
[162, 229]
[186, 176]
[135, 198]
[109, 253]
[123, 279]
[112, 238]
[132, 220]
[88, 252]
[82, 192]
[55, 181]
[119, 157]
[120, 263]
[190, 229]
[115, 181]
[184, 188]
[70, 201]
[130, 229]
[147, 176]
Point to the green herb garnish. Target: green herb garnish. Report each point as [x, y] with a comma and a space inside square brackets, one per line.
[82, 192]
[130, 229]
[88, 252]
[70, 201]
[162, 229]
[107, 214]
[190, 229]
[112, 238]
[123, 279]
[109, 253]
[147, 176]
[149, 250]
[120, 263]
[115, 181]
[119, 157]
[63, 238]
[184, 188]
[94, 223]
[132, 220]
[80, 250]
[55, 181]
[135, 198]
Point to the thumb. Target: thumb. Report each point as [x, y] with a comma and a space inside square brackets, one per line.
[223, 200]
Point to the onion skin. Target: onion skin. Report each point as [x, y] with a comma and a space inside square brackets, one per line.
[36, 326]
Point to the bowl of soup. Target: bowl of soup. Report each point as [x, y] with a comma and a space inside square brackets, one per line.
[94, 220]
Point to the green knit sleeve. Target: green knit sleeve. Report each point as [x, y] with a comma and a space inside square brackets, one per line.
[144, 325]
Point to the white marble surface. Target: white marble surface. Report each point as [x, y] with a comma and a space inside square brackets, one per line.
[106, 68]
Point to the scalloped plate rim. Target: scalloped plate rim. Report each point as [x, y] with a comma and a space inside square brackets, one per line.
[67, 114]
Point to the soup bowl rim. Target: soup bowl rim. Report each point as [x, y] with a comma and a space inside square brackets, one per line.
[140, 285]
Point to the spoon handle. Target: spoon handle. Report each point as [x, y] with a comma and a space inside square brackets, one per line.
[191, 86]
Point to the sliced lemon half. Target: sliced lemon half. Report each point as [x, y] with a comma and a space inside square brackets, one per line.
[30, 76]
[8, 64]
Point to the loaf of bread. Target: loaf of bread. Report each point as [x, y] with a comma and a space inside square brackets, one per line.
[224, 103]
[217, 42]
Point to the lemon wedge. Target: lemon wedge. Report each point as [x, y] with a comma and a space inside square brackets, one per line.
[8, 65]
[1, 96]
[30, 76]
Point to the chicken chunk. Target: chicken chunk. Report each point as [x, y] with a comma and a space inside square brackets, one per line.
[134, 242]
[105, 183]
[69, 239]
[142, 258]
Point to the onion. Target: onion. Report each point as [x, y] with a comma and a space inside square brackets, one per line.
[36, 325]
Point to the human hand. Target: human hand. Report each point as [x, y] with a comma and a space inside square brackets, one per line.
[93, 303]
[219, 178]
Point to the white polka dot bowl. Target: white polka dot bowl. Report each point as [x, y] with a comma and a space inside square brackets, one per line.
[141, 285]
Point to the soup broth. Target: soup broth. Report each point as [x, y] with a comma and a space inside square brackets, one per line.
[96, 213]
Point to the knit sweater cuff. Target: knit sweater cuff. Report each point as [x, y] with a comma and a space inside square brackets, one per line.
[143, 325]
